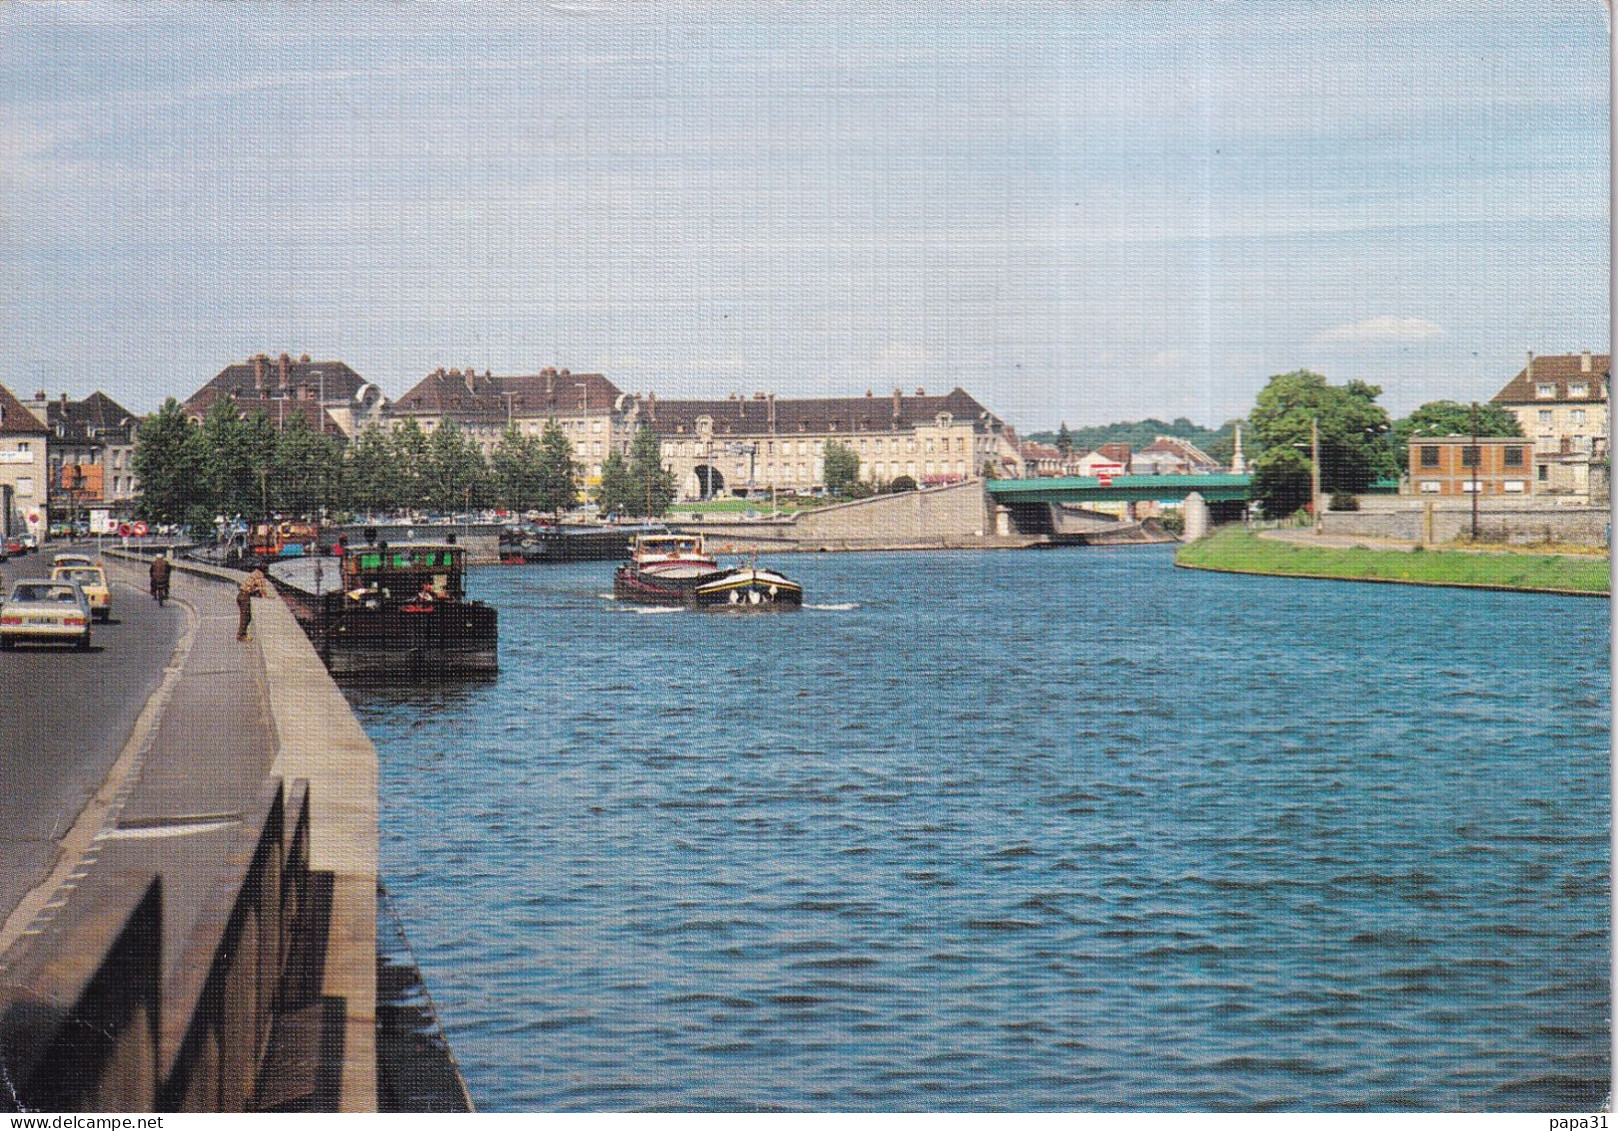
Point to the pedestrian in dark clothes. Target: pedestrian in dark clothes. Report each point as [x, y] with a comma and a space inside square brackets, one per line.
[160, 579]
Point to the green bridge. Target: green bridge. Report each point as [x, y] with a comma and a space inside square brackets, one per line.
[1122, 488]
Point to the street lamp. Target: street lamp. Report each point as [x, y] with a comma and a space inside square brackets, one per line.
[1477, 458]
[1314, 473]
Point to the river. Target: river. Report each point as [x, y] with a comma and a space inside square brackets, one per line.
[1029, 831]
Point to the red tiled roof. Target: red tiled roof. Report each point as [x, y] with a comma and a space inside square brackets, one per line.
[15, 419]
[1560, 370]
[470, 395]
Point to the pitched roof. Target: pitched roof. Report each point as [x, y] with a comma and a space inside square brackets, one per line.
[261, 378]
[1559, 370]
[15, 419]
[280, 410]
[470, 395]
[97, 418]
[870, 413]
[1184, 449]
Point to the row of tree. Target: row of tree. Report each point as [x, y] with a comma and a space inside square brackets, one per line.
[232, 464]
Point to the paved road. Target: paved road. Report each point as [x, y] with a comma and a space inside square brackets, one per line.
[64, 717]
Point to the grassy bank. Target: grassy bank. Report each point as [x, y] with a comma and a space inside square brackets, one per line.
[1235, 551]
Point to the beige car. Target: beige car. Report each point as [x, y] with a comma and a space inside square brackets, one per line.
[45, 611]
[93, 580]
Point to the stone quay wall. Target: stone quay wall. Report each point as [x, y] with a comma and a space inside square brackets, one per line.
[225, 970]
[958, 516]
[1433, 523]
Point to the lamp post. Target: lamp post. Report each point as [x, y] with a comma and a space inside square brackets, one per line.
[1314, 473]
[1477, 458]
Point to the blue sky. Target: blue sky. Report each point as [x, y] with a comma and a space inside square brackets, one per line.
[1079, 211]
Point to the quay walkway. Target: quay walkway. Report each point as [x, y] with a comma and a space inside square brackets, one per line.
[198, 929]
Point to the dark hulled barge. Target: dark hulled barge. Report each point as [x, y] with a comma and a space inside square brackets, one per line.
[398, 611]
[676, 569]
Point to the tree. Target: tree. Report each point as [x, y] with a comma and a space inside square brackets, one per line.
[168, 461]
[557, 476]
[229, 467]
[370, 475]
[617, 494]
[514, 467]
[411, 462]
[1281, 480]
[842, 468]
[456, 471]
[304, 469]
[1064, 441]
[651, 488]
[1447, 418]
[1353, 432]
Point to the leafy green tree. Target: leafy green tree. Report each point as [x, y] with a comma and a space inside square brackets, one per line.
[1353, 432]
[370, 475]
[514, 468]
[168, 461]
[304, 469]
[229, 469]
[456, 471]
[1281, 480]
[842, 468]
[617, 493]
[557, 479]
[1447, 418]
[651, 488]
[412, 466]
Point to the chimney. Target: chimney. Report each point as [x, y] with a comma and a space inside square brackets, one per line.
[1584, 362]
[897, 394]
[1530, 365]
[550, 385]
[258, 373]
[281, 364]
[651, 405]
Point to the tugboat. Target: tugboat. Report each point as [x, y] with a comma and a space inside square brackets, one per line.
[676, 569]
[393, 611]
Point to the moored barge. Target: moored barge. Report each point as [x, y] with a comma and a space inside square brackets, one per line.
[399, 611]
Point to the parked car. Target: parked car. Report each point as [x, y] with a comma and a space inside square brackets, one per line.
[93, 580]
[46, 611]
[29, 543]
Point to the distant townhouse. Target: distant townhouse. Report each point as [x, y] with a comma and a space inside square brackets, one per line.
[328, 395]
[1108, 459]
[92, 452]
[1456, 465]
[1170, 455]
[24, 467]
[1560, 401]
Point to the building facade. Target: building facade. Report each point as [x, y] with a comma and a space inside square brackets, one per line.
[1561, 403]
[750, 446]
[1455, 465]
[24, 468]
[92, 454]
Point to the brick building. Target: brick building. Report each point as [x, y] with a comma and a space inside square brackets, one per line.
[1451, 465]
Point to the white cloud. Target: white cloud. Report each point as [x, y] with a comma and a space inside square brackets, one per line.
[1382, 329]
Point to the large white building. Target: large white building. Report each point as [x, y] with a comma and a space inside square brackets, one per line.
[1560, 401]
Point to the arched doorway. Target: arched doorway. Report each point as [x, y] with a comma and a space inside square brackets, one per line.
[709, 482]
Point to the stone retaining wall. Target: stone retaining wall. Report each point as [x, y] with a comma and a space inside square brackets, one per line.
[1509, 524]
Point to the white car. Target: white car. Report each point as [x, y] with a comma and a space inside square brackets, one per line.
[46, 611]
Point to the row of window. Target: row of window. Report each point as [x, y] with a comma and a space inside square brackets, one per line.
[1514, 456]
[1546, 390]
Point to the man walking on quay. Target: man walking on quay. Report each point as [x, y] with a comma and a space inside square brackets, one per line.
[160, 578]
[254, 586]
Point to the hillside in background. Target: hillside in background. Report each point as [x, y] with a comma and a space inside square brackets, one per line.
[1217, 442]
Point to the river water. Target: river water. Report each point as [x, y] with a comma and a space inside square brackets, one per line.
[1029, 831]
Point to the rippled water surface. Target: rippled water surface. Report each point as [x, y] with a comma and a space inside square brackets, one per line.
[1072, 830]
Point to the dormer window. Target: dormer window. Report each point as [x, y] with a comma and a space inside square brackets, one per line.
[1580, 390]
[1545, 391]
